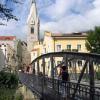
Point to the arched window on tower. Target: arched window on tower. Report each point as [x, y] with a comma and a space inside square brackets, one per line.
[32, 30]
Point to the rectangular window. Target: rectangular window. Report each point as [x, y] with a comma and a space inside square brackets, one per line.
[69, 47]
[32, 30]
[58, 48]
[78, 47]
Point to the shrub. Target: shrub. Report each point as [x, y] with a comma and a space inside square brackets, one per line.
[8, 80]
[6, 93]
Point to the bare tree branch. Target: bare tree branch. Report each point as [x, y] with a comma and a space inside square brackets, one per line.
[16, 1]
[6, 13]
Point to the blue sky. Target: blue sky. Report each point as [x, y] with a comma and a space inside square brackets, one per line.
[60, 16]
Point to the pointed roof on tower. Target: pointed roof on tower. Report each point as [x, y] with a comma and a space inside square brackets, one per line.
[33, 1]
[33, 11]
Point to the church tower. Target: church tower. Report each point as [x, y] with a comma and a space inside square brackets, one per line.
[33, 26]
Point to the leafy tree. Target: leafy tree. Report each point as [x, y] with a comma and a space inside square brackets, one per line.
[93, 40]
[5, 11]
[8, 80]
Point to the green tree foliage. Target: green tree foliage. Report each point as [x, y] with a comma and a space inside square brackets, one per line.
[7, 94]
[9, 86]
[93, 40]
[8, 80]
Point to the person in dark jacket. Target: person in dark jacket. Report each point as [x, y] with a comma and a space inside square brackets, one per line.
[65, 79]
[27, 70]
[64, 74]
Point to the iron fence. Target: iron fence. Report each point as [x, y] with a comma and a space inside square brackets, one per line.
[67, 90]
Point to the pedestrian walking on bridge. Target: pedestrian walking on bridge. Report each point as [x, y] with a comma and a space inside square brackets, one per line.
[65, 78]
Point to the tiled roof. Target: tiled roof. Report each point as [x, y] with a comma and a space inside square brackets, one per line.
[70, 35]
[7, 37]
[34, 49]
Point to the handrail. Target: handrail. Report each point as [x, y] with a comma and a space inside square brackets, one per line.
[78, 54]
[89, 60]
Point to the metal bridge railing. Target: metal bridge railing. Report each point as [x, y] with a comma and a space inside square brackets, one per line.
[51, 88]
[54, 88]
[67, 90]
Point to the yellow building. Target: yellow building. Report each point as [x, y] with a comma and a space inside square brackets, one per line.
[54, 42]
[36, 51]
[59, 42]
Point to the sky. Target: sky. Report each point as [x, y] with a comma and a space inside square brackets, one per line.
[58, 16]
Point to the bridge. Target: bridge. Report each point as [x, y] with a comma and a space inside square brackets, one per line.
[84, 73]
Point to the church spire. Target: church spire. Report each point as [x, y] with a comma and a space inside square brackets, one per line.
[33, 1]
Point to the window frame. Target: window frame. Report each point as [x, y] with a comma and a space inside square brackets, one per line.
[70, 46]
[79, 47]
[32, 30]
[58, 50]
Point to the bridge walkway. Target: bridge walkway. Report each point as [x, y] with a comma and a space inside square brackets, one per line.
[51, 88]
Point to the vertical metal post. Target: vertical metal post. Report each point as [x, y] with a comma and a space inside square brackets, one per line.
[80, 77]
[38, 68]
[43, 77]
[52, 70]
[66, 61]
[92, 84]
[75, 69]
[43, 65]
[34, 68]
[67, 89]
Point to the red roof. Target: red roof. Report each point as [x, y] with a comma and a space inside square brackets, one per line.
[35, 49]
[7, 37]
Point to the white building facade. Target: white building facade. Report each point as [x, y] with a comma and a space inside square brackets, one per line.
[7, 46]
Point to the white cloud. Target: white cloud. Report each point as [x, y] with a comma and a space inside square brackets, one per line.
[17, 28]
[57, 16]
[85, 15]
[58, 9]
